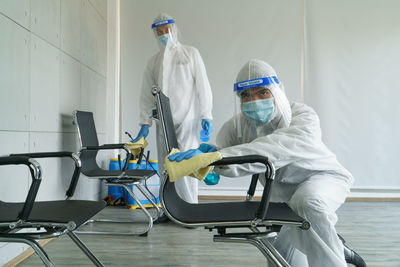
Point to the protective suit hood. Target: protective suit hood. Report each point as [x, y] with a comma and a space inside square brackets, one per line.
[165, 19]
[257, 72]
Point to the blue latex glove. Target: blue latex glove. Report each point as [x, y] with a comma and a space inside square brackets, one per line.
[212, 178]
[144, 131]
[178, 157]
[207, 126]
[207, 148]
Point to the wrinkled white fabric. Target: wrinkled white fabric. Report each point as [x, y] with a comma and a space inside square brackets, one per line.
[179, 71]
[308, 178]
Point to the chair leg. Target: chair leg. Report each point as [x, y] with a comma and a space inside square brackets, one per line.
[140, 233]
[279, 260]
[85, 249]
[150, 199]
[34, 245]
[267, 243]
[261, 243]
[146, 213]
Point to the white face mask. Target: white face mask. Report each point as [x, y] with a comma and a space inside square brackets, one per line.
[164, 39]
[260, 111]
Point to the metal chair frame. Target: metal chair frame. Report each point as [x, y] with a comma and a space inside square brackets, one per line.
[123, 178]
[29, 217]
[261, 227]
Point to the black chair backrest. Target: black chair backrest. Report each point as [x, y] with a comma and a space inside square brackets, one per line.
[88, 137]
[176, 206]
[86, 128]
[167, 123]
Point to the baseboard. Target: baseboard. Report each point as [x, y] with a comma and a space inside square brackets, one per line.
[373, 199]
[359, 193]
[24, 255]
[349, 199]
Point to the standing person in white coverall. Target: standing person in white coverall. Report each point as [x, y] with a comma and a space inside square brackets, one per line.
[308, 176]
[179, 71]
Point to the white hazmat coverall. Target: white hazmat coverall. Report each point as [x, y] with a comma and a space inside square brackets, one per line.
[179, 72]
[308, 176]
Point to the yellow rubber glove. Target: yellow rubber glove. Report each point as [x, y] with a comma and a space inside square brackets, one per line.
[137, 146]
[197, 166]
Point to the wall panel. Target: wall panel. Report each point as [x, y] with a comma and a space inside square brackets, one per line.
[14, 76]
[17, 10]
[71, 27]
[45, 20]
[52, 185]
[16, 178]
[45, 86]
[93, 38]
[94, 96]
[101, 7]
[70, 91]
[40, 85]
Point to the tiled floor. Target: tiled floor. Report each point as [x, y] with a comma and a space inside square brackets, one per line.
[371, 228]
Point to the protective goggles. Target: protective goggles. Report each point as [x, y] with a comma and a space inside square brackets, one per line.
[255, 83]
[163, 22]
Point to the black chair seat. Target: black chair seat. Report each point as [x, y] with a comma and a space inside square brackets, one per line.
[231, 212]
[62, 211]
[138, 174]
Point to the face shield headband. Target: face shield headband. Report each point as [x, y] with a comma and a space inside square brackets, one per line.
[240, 86]
[163, 22]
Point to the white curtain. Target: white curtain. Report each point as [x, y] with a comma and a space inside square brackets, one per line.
[352, 80]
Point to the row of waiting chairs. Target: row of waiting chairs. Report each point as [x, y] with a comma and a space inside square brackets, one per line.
[33, 220]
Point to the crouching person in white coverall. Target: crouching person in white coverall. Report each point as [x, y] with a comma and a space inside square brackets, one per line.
[309, 178]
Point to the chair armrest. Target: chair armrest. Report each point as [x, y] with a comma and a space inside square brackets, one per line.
[252, 188]
[8, 160]
[112, 146]
[269, 176]
[36, 173]
[60, 154]
[105, 146]
[57, 154]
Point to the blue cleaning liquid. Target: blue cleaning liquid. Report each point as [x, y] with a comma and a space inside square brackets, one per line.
[203, 136]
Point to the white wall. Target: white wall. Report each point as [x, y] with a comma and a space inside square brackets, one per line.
[350, 62]
[53, 60]
[227, 34]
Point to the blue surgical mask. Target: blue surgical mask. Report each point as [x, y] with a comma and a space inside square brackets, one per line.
[163, 39]
[260, 111]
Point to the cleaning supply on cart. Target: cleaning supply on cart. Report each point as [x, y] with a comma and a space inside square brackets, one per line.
[153, 166]
[151, 185]
[115, 193]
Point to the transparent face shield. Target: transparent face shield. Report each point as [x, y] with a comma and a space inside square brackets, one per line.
[260, 102]
[166, 33]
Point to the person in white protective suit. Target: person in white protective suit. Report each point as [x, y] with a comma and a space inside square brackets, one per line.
[179, 71]
[309, 178]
